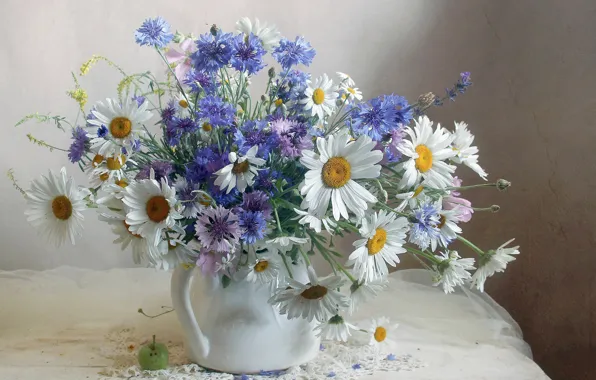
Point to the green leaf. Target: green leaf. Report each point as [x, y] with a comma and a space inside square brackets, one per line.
[225, 281]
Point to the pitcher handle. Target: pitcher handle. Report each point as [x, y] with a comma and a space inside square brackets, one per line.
[197, 343]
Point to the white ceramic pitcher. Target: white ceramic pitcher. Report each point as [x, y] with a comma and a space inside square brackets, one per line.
[234, 329]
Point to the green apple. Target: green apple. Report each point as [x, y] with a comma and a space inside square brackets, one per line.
[153, 356]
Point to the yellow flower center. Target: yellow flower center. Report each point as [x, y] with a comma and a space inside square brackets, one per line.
[122, 183]
[240, 167]
[318, 96]
[425, 158]
[336, 172]
[380, 334]
[120, 127]
[115, 163]
[98, 159]
[104, 177]
[127, 226]
[62, 207]
[207, 127]
[377, 242]
[314, 292]
[417, 191]
[183, 103]
[442, 221]
[351, 91]
[279, 102]
[157, 208]
[261, 266]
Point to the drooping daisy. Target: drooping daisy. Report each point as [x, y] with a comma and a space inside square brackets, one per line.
[379, 330]
[448, 228]
[465, 152]
[264, 270]
[123, 123]
[115, 216]
[241, 171]
[268, 34]
[492, 262]
[424, 156]
[362, 292]
[217, 229]
[153, 208]
[320, 97]
[332, 174]
[55, 207]
[174, 253]
[335, 328]
[283, 244]
[345, 79]
[318, 299]
[410, 199]
[314, 222]
[383, 238]
[453, 271]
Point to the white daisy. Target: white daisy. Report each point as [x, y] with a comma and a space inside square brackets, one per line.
[453, 271]
[283, 244]
[124, 123]
[227, 264]
[332, 174]
[336, 329]
[153, 208]
[114, 192]
[264, 270]
[383, 239]
[362, 292]
[314, 222]
[465, 152]
[319, 299]
[492, 262]
[410, 199]
[348, 89]
[268, 34]
[379, 329]
[173, 253]
[184, 105]
[109, 171]
[345, 79]
[424, 156]
[448, 228]
[115, 216]
[55, 207]
[241, 171]
[320, 97]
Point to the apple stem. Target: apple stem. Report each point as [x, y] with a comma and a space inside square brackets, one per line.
[153, 344]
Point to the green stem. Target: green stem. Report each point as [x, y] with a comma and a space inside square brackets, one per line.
[391, 170]
[470, 244]
[306, 259]
[384, 206]
[278, 222]
[494, 184]
[426, 255]
[284, 259]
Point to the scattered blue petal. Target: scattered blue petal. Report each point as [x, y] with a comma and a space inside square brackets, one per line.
[356, 366]
[102, 131]
[391, 357]
[331, 374]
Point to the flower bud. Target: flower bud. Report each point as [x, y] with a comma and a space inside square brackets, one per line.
[264, 98]
[179, 37]
[426, 100]
[503, 184]
[271, 72]
[213, 30]
[495, 208]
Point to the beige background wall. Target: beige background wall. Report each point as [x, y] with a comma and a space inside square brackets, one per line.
[532, 109]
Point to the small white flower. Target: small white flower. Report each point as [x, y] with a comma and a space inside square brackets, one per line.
[227, 264]
[283, 244]
[336, 329]
[241, 171]
[268, 34]
[184, 105]
[363, 292]
[318, 299]
[465, 152]
[109, 171]
[453, 271]
[345, 79]
[410, 199]
[493, 262]
[383, 238]
[115, 216]
[320, 97]
[379, 330]
[448, 228]
[314, 222]
[424, 156]
[347, 88]
[153, 208]
[264, 270]
[171, 254]
[55, 207]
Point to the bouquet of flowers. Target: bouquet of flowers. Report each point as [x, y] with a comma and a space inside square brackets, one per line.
[189, 168]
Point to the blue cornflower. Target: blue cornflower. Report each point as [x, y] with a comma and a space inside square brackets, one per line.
[154, 32]
[184, 125]
[161, 169]
[169, 112]
[139, 99]
[425, 221]
[265, 180]
[218, 112]
[136, 145]
[102, 131]
[403, 112]
[290, 53]
[257, 201]
[222, 198]
[213, 51]
[252, 225]
[392, 153]
[248, 54]
[375, 118]
[203, 165]
[298, 81]
[79, 145]
[199, 81]
[253, 133]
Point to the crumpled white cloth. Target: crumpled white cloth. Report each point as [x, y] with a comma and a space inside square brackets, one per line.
[71, 324]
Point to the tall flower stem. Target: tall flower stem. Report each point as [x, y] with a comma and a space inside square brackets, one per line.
[470, 244]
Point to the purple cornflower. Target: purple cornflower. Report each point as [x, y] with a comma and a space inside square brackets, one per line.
[392, 153]
[161, 169]
[154, 32]
[218, 112]
[140, 99]
[102, 131]
[184, 193]
[79, 145]
[169, 112]
[217, 229]
[290, 53]
[256, 201]
[252, 133]
[136, 145]
[200, 81]
[213, 51]
[403, 111]
[201, 168]
[222, 198]
[253, 226]
[375, 118]
[292, 137]
[248, 54]
[425, 221]
[208, 261]
[265, 180]
[184, 125]
[297, 81]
